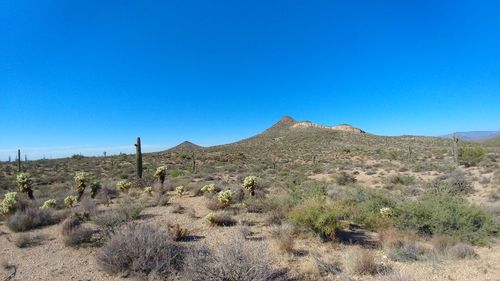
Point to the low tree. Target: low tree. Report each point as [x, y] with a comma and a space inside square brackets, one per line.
[471, 156]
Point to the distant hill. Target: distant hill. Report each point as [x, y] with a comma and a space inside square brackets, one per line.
[475, 135]
[492, 142]
[186, 145]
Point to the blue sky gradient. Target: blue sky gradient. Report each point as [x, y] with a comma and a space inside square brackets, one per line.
[87, 76]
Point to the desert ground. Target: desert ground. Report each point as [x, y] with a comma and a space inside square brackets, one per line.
[301, 202]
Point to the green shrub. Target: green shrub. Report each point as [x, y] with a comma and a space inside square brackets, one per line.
[471, 156]
[443, 214]
[369, 204]
[321, 217]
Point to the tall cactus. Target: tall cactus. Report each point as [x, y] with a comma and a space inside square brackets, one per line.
[455, 148]
[19, 160]
[138, 155]
[194, 163]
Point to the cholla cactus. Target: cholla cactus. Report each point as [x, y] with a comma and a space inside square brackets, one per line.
[94, 188]
[210, 218]
[180, 190]
[225, 197]
[148, 190]
[49, 204]
[123, 185]
[250, 183]
[209, 188]
[81, 180]
[70, 200]
[9, 203]
[161, 173]
[386, 212]
[24, 183]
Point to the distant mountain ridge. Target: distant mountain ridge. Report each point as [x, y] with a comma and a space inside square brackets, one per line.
[474, 135]
[288, 122]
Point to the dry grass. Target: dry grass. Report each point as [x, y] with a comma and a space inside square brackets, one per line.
[32, 217]
[230, 260]
[141, 249]
[283, 238]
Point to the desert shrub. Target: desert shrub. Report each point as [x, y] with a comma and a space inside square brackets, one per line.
[8, 204]
[307, 189]
[109, 220]
[69, 225]
[260, 205]
[458, 184]
[89, 207]
[78, 237]
[283, 237]
[462, 251]
[177, 232]
[231, 260]
[442, 243]
[32, 217]
[237, 194]
[51, 203]
[471, 156]
[396, 276]
[220, 219]
[321, 217]
[443, 214]
[344, 179]
[408, 251]
[160, 199]
[401, 180]
[374, 209]
[143, 250]
[28, 240]
[362, 261]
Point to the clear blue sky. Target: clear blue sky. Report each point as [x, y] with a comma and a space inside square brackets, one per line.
[88, 76]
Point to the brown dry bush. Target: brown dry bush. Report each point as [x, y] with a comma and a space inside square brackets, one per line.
[462, 251]
[233, 259]
[69, 225]
[362, 261]
[141, 249]
[283, 238]
[177, 232]
[79, 237]
[27, 240]
[32, 217]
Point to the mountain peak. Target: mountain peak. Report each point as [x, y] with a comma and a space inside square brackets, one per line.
[285, 122]
[186, 145]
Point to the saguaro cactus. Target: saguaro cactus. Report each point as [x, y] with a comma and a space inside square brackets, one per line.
[455, 148]
[19, 160]
[138, 155]
[194, 163]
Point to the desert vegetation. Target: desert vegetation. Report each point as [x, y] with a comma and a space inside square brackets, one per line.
[288, 204]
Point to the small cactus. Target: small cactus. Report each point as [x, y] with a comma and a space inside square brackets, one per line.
[250, 183]
[161, 174]
[210, 218]
[81, 180]
[209, 188]
[148, 190]
[70, 200]
[123, 185]
[8, 203]
[180, 190]
[49, 204]
[24, 183]
[225, 197]
[94, 188]
[386, 212]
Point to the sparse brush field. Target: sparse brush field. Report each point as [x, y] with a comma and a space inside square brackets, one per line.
[288, 204]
